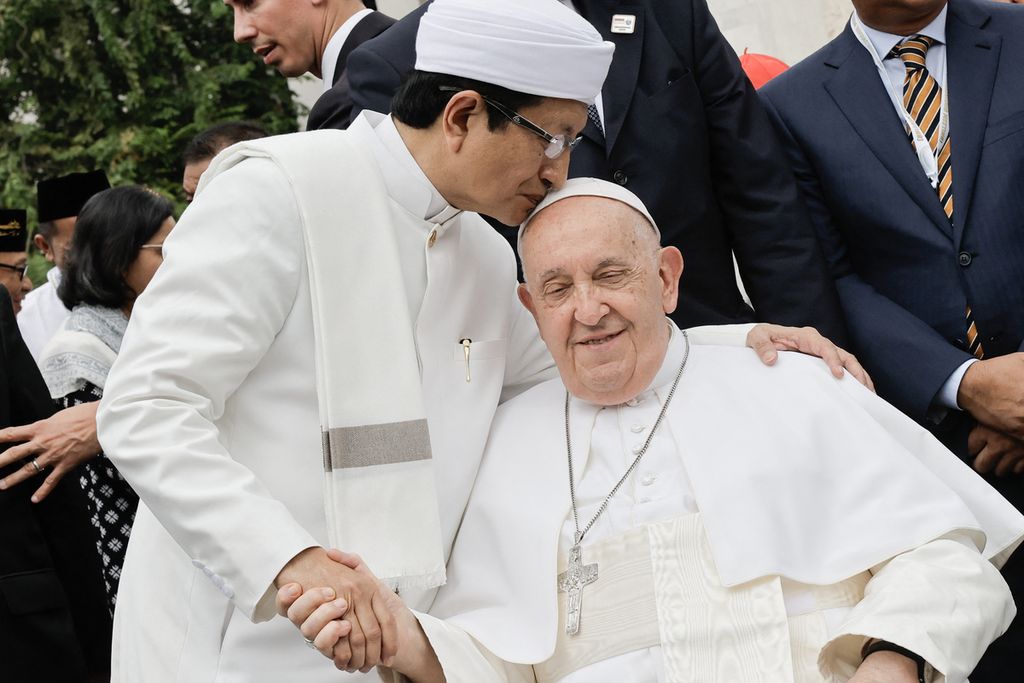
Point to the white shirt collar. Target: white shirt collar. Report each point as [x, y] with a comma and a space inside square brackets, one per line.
[673, 357]
[885, 42]
[334, 45]
[405, 180]
[53, 277]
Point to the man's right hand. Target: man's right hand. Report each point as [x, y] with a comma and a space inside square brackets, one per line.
[374, 634]
[992, 391]
[996, 452]
[319, 618]
[61, 442]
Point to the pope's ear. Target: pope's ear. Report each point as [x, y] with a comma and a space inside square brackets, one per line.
[670, 269]
[457, 115]
[526, 299]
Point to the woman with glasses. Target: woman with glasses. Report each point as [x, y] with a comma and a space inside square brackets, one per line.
[116, 249]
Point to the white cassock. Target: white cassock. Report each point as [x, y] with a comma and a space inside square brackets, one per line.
[210, 411]
[779, 518]
[42, 314]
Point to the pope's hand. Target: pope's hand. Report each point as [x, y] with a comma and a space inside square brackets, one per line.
[886, 667]
[61, 442]
[353, 592]
[319, 617]
[767, 340]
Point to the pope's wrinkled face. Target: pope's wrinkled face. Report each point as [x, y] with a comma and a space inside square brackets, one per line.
[504, 173]
[599, 285]
[283, 33]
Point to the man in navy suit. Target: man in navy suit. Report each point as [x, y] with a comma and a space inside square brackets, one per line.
[279, 33]
[906, 134]
[678, 124]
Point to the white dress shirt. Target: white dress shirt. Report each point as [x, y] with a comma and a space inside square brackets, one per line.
[42, 314]
[334, 45]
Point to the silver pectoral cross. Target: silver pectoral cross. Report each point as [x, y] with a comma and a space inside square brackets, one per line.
[572, 581]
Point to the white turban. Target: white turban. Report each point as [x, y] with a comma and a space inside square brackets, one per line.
[589, 187]
[537, 47]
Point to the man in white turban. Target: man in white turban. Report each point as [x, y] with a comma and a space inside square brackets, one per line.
[318, 361]
[668, 513]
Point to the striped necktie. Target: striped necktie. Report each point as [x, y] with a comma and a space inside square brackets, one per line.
[922, 96]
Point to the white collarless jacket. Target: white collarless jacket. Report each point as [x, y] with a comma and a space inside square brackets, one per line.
[211, 412]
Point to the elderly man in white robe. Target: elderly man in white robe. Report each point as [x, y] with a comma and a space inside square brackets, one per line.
[720, 521]
[318, 361]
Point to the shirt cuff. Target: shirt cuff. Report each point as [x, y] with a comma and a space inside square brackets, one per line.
[946, 398]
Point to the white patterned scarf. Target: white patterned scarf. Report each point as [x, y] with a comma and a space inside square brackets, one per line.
[83, 349]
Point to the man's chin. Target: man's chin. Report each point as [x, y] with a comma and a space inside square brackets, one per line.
[512, 218]
[290, 71]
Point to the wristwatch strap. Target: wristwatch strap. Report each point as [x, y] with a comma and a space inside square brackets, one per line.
[873, 646]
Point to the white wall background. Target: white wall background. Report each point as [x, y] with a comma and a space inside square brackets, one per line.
[787, 29]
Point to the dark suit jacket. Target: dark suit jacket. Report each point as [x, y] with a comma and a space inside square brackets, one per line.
[54, 623]
[903, 270]
[685, 132]
[333, 109]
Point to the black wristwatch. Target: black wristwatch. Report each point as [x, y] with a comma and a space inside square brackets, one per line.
[885, 646]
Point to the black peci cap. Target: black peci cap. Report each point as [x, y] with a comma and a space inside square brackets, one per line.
[65, 196]
[13, 233]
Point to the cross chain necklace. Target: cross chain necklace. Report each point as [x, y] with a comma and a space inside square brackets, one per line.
[578, 575]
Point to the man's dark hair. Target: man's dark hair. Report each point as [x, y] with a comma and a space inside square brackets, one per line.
[113, 226]
[211, 141]
[420, 100]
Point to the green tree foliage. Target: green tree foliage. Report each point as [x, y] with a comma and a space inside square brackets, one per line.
[121, 85]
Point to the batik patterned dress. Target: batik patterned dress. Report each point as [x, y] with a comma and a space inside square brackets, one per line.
[75, 364]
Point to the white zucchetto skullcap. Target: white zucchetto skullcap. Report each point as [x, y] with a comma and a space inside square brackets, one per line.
[589, 187]
[536, 47]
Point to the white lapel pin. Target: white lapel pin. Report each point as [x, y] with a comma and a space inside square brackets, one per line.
[623, 23]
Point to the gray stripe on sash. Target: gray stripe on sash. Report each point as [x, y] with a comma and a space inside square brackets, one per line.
[379, 444]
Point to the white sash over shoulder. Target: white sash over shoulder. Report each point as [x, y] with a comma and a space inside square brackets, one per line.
[379, 489]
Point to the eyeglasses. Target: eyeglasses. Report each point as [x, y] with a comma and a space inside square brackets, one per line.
[159, 248]
[557, 144]
[20, 270]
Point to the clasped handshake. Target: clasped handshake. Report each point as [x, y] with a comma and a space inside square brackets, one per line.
[343, 610]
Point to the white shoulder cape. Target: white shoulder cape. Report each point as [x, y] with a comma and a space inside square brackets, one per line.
[796, 473]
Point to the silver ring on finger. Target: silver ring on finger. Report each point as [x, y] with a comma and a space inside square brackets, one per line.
[39, 470]
[309, 642]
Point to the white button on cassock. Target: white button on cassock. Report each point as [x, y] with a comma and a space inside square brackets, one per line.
[636, 429]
